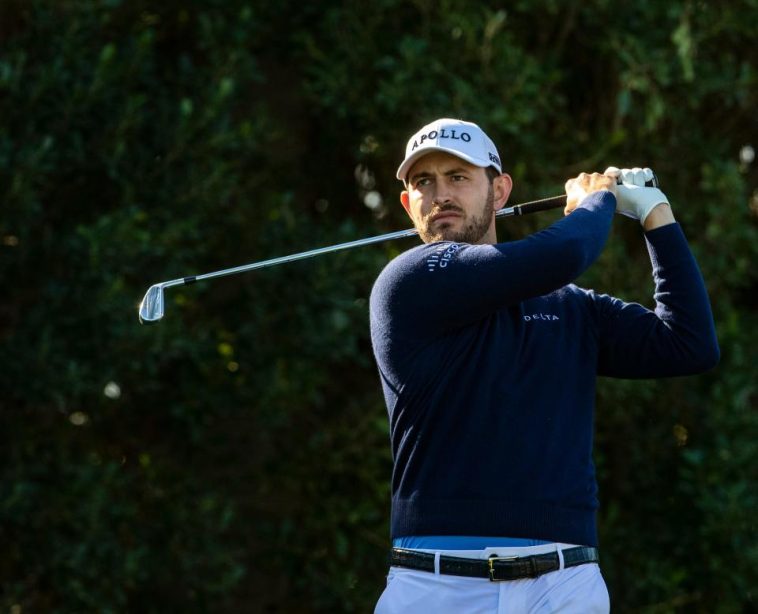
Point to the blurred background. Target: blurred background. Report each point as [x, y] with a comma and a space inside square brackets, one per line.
[235, 456]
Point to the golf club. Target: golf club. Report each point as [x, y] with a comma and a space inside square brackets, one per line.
[153, 305]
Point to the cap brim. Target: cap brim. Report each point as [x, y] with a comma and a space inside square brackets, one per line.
[403, 169]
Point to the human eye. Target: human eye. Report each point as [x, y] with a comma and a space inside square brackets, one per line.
[422, 182]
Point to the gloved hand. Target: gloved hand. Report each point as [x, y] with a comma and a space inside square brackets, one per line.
[634, 199]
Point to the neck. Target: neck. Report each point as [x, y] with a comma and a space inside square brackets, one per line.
[490, 237]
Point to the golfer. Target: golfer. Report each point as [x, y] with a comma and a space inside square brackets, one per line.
[488, 356]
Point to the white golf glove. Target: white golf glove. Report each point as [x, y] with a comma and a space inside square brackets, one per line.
[635, 199]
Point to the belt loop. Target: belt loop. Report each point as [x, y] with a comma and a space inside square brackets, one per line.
[561, 563]
[437, 563]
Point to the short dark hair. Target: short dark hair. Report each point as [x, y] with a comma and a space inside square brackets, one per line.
[492, 173]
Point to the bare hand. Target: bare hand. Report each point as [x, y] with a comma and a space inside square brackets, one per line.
[579, 188]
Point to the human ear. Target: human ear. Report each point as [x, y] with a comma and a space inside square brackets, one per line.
[502, 186]
[406, 202]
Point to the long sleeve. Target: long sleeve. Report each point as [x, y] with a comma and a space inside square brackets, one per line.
[678, 337]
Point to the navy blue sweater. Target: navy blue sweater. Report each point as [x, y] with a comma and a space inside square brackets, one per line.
[488, 357]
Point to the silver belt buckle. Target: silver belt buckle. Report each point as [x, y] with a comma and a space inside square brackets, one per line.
[491, 563]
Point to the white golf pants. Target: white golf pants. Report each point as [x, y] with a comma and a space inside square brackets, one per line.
[574, 590]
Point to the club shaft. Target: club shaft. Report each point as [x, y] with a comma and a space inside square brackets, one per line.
[544, 204]
[400, 234]
[152, 307]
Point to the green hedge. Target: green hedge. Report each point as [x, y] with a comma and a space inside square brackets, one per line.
[235, 457]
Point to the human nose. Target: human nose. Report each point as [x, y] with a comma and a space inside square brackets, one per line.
[441, 193]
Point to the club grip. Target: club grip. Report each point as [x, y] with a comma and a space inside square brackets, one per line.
[652, 183]
[556, 202]
[544, 204]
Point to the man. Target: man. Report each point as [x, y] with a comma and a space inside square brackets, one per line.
[488, 356]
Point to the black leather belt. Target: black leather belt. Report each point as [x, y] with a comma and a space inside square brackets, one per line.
[496, 568]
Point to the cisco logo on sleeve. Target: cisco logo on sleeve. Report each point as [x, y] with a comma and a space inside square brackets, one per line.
[442, 257]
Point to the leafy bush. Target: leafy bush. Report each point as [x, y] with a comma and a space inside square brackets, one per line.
[235, 456]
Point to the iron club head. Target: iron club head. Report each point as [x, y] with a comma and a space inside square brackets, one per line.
[152, 306]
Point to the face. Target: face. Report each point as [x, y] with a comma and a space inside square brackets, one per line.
[449, 199]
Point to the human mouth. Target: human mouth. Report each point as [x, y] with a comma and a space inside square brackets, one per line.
[444, 216]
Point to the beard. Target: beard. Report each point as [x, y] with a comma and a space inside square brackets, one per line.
[474, 226]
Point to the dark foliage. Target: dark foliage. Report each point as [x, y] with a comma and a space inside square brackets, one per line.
[234, 458]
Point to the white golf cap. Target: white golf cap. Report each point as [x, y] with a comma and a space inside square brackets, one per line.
[454, 136]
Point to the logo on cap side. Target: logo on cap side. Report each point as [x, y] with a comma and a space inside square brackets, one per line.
[442, 134]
